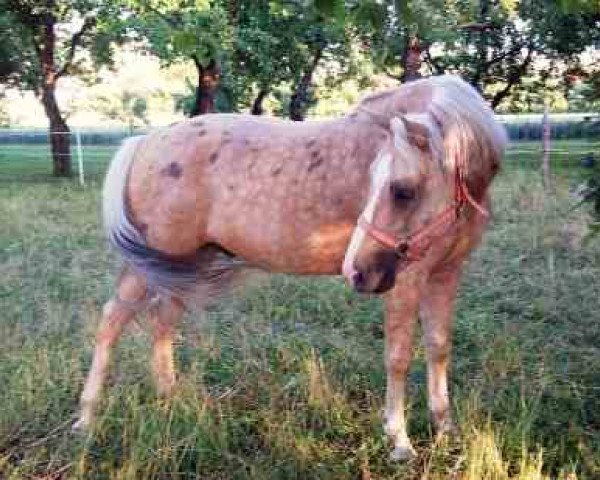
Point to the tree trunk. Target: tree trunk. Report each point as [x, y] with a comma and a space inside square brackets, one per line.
[203, 103]
[257, 105]
[411, 60]
[208, 82]
[59, 135]
[300, 97]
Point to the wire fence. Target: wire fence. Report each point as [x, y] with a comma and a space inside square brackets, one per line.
[26, 154]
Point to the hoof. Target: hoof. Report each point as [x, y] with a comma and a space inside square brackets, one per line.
[446, 428]
[403, 454]
[81, 426]
[165, 385]
[165, 392]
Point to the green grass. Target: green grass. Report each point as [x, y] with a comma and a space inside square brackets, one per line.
[285, 380]
[20, 162]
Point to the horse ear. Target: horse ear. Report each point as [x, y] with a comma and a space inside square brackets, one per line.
[412, 130]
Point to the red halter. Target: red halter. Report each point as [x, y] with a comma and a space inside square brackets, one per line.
[414, 246]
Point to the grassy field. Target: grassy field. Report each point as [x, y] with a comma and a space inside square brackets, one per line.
[286, 380]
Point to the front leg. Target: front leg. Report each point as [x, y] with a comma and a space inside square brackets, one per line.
[401, 305]
[436, 313]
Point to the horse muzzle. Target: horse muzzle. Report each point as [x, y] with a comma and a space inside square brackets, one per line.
[375, 276]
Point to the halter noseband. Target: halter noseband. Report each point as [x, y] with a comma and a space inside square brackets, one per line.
[414, 246]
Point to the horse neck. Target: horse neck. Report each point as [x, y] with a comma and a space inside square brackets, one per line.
[364, 138]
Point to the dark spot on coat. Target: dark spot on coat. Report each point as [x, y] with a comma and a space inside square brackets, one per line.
[198, 121]
[314, 163]
[202, 132]
[173, 169]
[311, 143]
[277, 170]
[314, 154]
[213, 157]
[143, 228]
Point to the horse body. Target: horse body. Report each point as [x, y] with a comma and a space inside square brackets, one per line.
[187, 205]
[286, 200]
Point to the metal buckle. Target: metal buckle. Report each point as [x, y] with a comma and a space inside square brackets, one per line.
[401, 249]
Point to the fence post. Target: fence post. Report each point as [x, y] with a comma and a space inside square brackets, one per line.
[80, 157]
[546, 149]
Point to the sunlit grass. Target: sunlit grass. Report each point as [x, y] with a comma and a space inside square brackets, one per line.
[285, 379]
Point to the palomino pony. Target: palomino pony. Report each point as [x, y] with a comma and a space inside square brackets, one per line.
[394, 196]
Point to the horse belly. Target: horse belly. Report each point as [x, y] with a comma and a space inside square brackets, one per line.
[285, 242]
[320, 252]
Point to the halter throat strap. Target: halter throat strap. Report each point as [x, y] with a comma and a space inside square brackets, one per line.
[414, 246]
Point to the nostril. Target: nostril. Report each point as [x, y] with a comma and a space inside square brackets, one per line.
[359, 280]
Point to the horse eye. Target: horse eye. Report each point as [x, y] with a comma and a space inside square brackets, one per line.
[402, 193]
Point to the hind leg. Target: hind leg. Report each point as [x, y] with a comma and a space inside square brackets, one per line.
[164, 317]
[117, 313]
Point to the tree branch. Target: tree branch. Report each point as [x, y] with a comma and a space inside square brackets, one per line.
[88, 24]
[476, 26]
[503, 55]
[439, 70]
[513, 78]
[390, 74]
[199, 66]
[171, 21]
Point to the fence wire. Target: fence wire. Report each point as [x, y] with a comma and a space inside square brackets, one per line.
[27, 153]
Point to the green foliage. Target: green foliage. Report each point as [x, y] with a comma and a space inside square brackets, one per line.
[128, 107]
[88, 23]
[19, 65]
[259, 45]
[491, 43]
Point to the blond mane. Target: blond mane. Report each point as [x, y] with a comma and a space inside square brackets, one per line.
[462, 127]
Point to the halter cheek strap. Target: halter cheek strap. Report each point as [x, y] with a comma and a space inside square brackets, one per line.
[414, 246]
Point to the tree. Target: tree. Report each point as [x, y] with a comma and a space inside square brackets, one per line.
[208, 82]
[127, 106]
[322, 36]
[494, 44]
[41, 46]
[258, 45]
[189, 31]
[180, 30]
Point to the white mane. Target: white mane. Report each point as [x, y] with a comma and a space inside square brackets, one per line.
[462, 127]
[467, 125]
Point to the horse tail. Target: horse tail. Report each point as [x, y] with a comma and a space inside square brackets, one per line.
[196, 279]
[114, 211]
